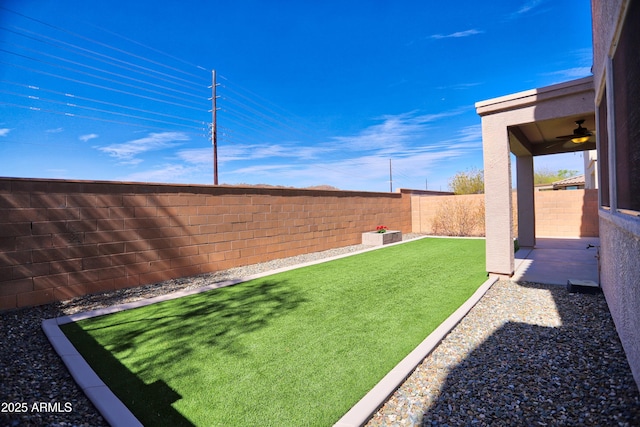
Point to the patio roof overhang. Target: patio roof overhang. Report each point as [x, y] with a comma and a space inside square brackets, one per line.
[539, 116]
[526, 124]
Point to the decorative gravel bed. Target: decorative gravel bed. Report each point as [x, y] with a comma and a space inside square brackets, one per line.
[31, 373]
[525, 355]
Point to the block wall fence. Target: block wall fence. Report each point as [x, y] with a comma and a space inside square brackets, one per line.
[62, 239]
[567, 213]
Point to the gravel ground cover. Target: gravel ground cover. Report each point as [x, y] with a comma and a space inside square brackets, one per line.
[31, 373]
[525, 355]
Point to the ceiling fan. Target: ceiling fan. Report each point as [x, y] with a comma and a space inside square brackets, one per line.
[580, 135]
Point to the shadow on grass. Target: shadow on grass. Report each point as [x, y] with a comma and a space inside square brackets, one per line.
[528, 374]
[171, 331]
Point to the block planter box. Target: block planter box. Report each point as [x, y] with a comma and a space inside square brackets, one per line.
[374, 238]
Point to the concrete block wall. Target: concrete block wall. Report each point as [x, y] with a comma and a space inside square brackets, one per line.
[567, 213]
[60, 239]
[426, 207]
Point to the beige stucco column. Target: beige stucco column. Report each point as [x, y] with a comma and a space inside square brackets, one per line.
[526, 201]
[497, 185]
[502, 133]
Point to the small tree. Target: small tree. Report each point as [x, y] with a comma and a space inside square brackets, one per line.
[470, 181]
[547, 176]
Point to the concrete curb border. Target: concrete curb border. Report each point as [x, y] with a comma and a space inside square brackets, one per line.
[117, 414]
[362, 411]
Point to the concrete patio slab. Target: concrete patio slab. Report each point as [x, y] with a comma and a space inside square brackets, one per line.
[554, 261]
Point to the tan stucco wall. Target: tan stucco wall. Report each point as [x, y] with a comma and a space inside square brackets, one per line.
[605, 15]
[620, 280]
[619, 231]
[563, 213]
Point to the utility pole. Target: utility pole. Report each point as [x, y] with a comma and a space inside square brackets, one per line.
[214, 127]
[390, 178]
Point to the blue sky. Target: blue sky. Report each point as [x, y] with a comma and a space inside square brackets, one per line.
[309, 92]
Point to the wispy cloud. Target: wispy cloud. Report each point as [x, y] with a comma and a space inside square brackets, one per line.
[393, 132]
[126, 152]
[362, 159]
[55, 130]
[528, 6]
[88, 137]
[164, 173]
[196, 155]
[248, 152]
[460, 86]
[580, 59]
[457, 34]
[4, 131]
[571, 73]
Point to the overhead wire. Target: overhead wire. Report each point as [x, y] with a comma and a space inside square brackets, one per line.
[79, 64]
[246, 117]
[266, 121]
[97, 101]
[100, 86]
[64, 113]
[149, 47]
[98, 42]
[97, 77]
[97, 56]
[99, 110]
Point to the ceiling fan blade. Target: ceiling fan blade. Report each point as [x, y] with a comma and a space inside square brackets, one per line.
[577, 132]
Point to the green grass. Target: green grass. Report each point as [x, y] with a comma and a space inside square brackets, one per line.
[292, 349]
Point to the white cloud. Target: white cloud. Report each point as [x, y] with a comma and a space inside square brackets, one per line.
[528, 6]
[460, 86]
[197, 155]
[165, 173]
[393, 132]
[56, 130]
[88, 137]
[457, 34]
[363, 161]
[127, 151]
[4, 131]
[572, 73]
[247, 152]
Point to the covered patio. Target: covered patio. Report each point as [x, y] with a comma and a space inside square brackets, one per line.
[526, 124]
[555, 261]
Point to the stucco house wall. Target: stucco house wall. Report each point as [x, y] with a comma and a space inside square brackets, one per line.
[619, 228]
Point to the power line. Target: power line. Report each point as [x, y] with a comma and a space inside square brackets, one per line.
[150, 48]
[99, 110]
[245, 116]
[100, 86]
[64, 113]
[97, 101]
[96, 42]
[97, 56]
[99, 70]
[97, 77]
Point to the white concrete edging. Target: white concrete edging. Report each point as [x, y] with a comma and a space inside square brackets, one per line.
[362, 411]
[112, 409]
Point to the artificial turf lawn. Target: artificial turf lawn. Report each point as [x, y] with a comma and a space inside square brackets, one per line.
[291, 349]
